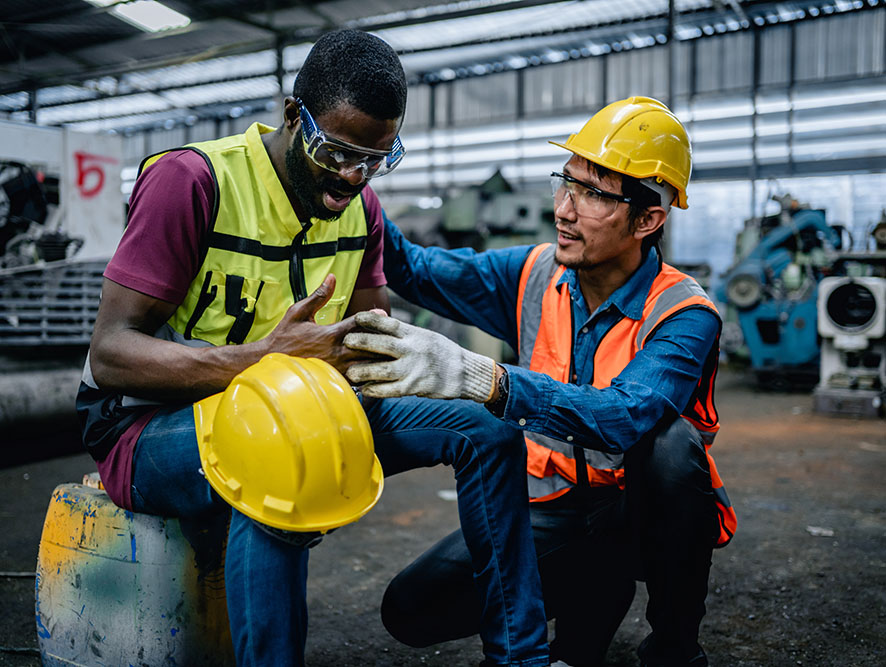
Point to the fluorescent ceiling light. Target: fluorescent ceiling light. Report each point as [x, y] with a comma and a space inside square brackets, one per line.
[147, 15]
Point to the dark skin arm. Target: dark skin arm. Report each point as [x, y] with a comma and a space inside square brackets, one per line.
[125, 357]
[367, 299]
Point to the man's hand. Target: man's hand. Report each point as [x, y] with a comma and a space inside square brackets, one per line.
[424, 363]
[299, 335]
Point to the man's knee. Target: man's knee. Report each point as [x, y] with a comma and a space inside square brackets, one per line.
[402, 613]
[435, 599]
[675, 461]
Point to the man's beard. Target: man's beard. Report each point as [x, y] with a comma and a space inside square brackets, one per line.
[309, 189]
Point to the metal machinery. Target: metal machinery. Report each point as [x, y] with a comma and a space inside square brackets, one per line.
[771, 291]
[61, 216]
[498, 214]
[493, 214]
[852, 326]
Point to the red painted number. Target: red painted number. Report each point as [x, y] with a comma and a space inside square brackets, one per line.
[90, 173]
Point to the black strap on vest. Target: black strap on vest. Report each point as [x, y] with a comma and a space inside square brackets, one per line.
[207, 295]
[235, 306]
[296, 270]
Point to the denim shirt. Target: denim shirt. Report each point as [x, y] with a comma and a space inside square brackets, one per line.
[481, 289]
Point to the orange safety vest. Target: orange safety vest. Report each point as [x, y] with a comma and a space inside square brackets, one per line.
[544, 320]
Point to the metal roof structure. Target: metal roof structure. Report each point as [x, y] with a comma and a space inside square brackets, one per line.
[72, 62]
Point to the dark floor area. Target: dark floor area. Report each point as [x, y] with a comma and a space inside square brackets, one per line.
[803, 583]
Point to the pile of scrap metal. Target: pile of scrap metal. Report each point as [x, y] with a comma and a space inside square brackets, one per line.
[29, 217]
[46, 298]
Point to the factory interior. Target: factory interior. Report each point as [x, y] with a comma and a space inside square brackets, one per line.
[784, 102]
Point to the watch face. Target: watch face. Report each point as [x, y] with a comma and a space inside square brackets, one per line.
[497, 407]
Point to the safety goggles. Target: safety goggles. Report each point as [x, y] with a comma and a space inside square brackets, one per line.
[587, 200]
[340, 156]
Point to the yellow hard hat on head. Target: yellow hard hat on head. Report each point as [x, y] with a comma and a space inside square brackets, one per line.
[639, 137]
[289, 445]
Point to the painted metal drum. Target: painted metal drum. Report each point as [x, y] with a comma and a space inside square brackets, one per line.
[120, 588]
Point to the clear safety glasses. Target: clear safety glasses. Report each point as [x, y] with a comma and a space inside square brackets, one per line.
[587, 200]
[340, 156]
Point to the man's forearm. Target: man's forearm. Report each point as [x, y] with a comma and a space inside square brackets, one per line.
[136, 364]
[659, 380]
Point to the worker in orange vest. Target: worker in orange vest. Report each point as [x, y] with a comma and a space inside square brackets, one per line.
[613, 389]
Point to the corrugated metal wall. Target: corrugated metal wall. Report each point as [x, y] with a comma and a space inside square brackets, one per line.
[564, 87]
[642, 72]
[775, 55]
[781, 130]
[828, 49]
[841, 47]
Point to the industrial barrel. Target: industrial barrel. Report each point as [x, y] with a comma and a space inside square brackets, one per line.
[116, 587]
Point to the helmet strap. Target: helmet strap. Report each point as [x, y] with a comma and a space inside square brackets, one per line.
[302, 540]
[666, 192]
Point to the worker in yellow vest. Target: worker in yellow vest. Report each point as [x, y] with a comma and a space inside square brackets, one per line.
[268, 242]
[613, 389]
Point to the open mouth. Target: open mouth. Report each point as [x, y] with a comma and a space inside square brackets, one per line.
[566, 236]
[335, 200]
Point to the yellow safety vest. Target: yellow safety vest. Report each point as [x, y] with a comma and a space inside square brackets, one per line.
[259, 257]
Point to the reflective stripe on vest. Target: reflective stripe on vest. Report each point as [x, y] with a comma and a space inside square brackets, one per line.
[551, 463]
[545, 339]
[259, 258]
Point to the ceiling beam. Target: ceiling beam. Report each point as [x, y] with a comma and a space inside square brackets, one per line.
[202, 15]
[419, 18]
[29, 80]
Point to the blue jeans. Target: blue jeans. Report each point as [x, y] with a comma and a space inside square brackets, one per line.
[266, 577]
[592, 544]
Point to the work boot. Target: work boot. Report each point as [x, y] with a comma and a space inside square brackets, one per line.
[651, 656]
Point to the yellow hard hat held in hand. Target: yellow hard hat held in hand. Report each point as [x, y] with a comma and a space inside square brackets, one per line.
[289, 445]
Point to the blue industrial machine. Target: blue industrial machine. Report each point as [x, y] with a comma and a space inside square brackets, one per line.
[771, 293]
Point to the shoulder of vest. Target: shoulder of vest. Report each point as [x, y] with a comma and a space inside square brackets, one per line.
[205, 149]
[540, 273]
[213, 214]
[220, 144]
[672, 291]
[355, 222]
[360, 203]
[669, 277]
[153, 157]
[542, 258]
[533, 268]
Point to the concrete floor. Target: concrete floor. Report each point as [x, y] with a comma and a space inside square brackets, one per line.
[803, 583]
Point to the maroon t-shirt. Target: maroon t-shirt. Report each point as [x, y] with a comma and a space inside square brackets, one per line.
[159, 255]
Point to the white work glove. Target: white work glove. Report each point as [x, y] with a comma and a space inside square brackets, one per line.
[425, 363]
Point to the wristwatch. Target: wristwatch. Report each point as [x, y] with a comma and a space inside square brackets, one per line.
[497, 407]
